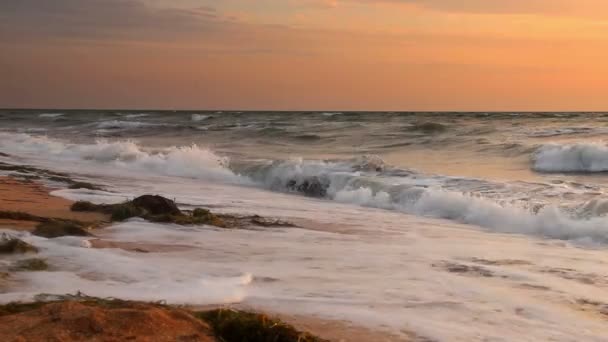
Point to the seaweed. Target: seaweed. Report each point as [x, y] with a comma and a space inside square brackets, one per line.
[241, 326]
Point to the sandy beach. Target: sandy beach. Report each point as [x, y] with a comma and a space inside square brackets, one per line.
[34, 198]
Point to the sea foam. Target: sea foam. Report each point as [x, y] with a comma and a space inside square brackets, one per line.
[183, 161]
[583, 157]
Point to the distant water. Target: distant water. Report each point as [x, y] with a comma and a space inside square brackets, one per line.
[377, 176]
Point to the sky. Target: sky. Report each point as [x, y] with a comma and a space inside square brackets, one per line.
[396, 55]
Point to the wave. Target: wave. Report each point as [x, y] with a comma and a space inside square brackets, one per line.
[564, 131]
[365, 181]
[50, 115]
[583, 157]
[200, 117]
[178, 161]
[178, 280]
[117, 124]
[415, 194]
[138, 115]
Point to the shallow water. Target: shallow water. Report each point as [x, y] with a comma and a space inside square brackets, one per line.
[485, 227]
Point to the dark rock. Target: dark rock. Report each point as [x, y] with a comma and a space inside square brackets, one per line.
[265, 222]
[84, 185]
[125, 211]
[20, 216]
[156, 205]
[313, 187]
[232, 325]
[57, 228]
[13, 245]
[153, 208]
[34, 264]
[86, 206]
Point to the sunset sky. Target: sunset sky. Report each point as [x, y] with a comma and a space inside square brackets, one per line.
[460, 55]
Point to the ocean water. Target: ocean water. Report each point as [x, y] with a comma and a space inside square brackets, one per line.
[456, 226]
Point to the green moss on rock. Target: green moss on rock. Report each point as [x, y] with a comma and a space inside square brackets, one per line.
[125, 211]
[20, 216]
[153, 208]
[34, 264]
[57, 228]
[13, 245]
[239, 326]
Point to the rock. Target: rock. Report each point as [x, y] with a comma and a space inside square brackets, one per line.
[153, 208]
[156, 205]
[313, 187]
[99, 320]
[13, 245]
[56, 228]
[124, 211]
[204, 216]
[84, 185]
[232, 325]
[86, 206]
[34, 264]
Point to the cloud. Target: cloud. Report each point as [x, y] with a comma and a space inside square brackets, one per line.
[102, 19]
[578, 8]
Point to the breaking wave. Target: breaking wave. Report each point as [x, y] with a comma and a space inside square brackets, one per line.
[50, 115]
[364, 181]
[587, 157]
[200, 117]
[117, 124]
[178, 161]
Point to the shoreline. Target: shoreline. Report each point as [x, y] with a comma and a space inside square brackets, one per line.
[34, 198]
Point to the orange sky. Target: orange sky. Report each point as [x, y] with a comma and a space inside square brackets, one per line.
[456, 55]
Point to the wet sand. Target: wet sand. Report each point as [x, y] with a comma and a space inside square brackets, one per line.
[34, 198]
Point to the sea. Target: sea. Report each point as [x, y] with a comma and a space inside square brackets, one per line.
[485, 226]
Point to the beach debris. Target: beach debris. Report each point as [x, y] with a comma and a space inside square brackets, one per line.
[12, 245]
[235, 326]
[89, 318]
[153, 208]
[56, 228]
[84, 185]
[34, 264]
[156, 208]
[20, 216]
[28, 172]
[470, 270]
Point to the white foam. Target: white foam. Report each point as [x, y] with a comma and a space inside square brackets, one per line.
[50, 115]
[120, 274]
[200, 117]
[419, 194]
[139, 115]
[185, 161]
[583, 157]
[118, 124]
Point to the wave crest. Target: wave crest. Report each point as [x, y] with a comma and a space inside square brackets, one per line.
[179, 161]
[587, 157]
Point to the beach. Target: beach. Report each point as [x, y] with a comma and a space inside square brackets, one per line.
[338, 242]
[33, 198]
